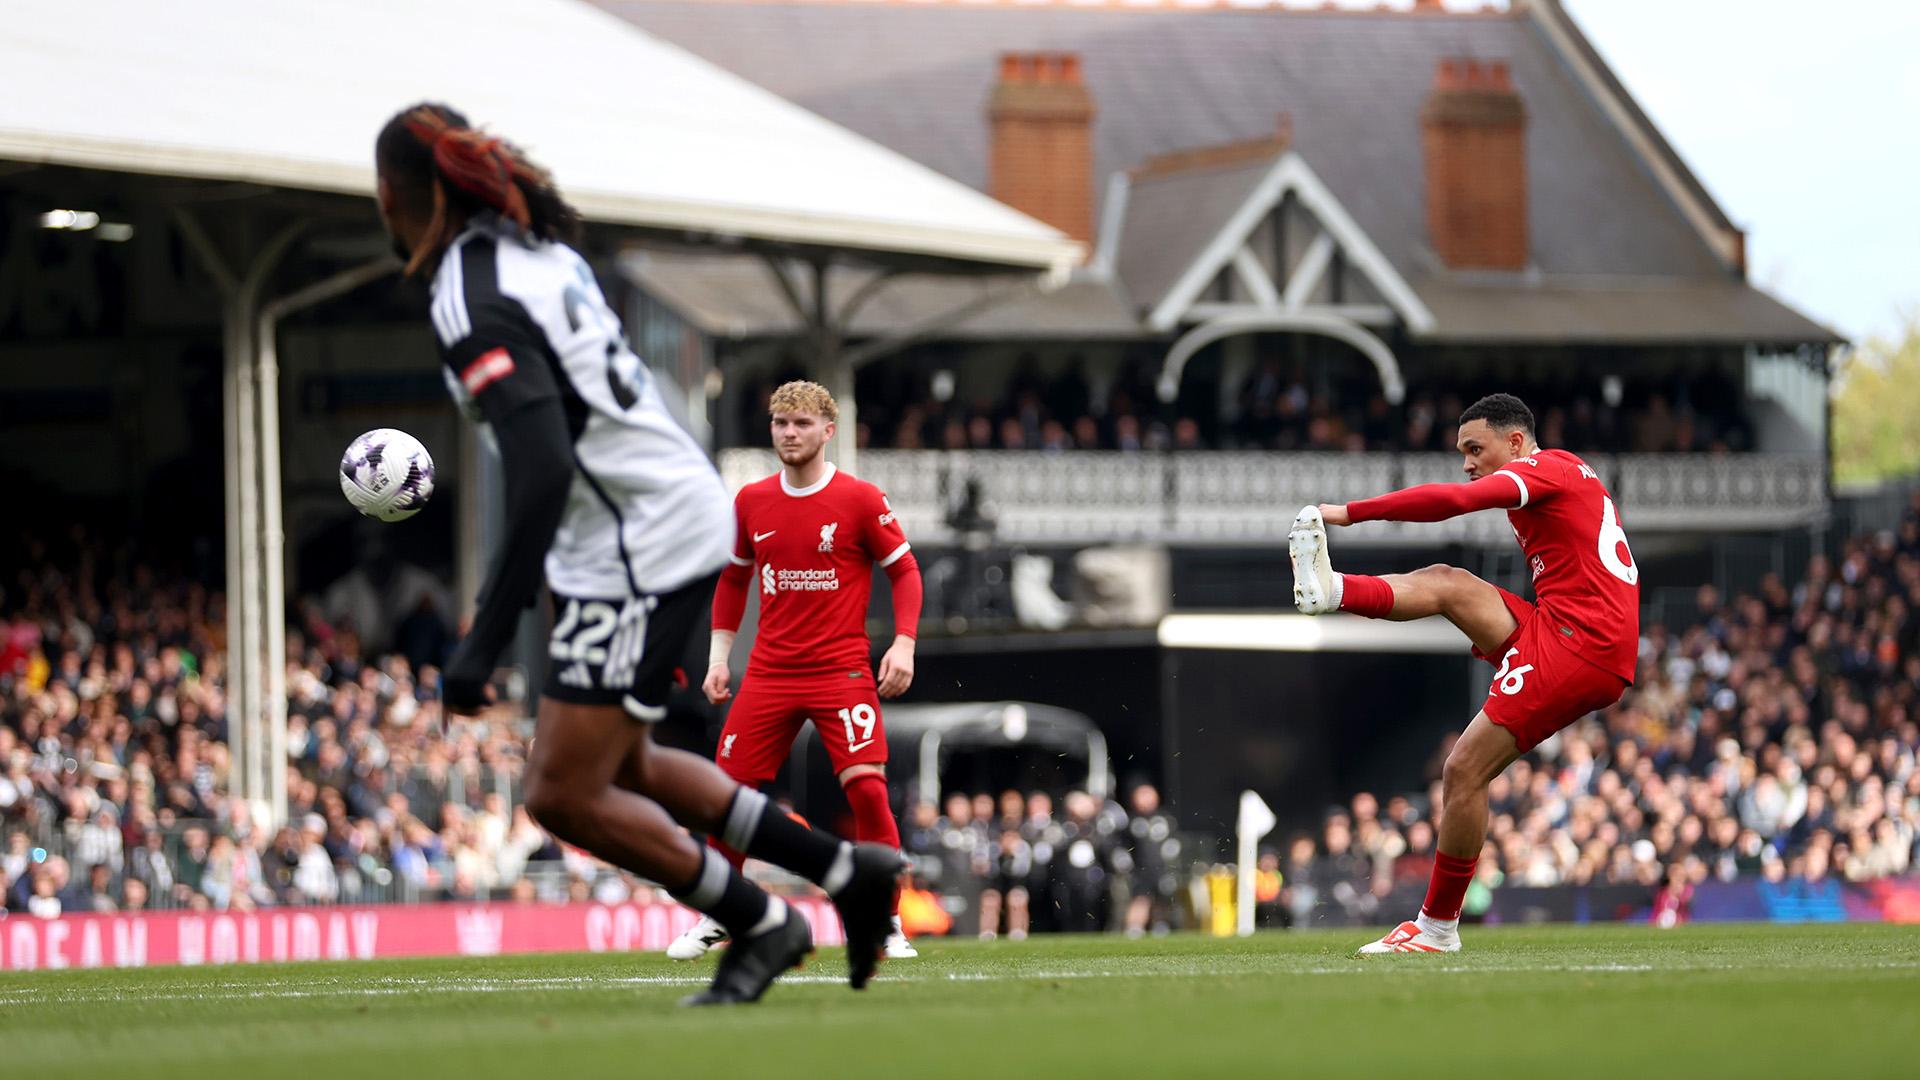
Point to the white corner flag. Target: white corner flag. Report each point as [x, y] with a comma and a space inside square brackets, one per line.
[1256, 821]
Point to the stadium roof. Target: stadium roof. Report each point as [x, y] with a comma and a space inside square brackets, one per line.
[639, 132]
[1615, 216]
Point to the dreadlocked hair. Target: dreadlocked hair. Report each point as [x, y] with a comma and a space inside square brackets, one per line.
[444, 166]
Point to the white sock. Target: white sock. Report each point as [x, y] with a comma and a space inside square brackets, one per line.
[1437, 927]
[1339, 589]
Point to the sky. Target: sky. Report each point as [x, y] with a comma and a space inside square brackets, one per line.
[1801, 117]
[1803, 120]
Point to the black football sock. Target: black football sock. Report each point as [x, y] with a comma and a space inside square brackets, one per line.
[759, 828]
[717, 889]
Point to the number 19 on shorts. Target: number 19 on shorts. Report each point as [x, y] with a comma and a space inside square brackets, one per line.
[859, 722]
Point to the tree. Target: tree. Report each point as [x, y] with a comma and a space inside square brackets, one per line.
[1876, 408]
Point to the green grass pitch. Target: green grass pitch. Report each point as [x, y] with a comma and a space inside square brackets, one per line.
[1561, 1002]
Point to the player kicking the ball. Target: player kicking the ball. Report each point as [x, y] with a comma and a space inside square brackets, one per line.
[815, 534]
[632, 525]
[1570, 652]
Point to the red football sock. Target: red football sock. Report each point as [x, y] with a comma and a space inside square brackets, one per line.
[738, 859]
[1447, 889]
[1364, 595]
[873, 815]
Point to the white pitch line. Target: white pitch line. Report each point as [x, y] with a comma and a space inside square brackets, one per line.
[397, 986]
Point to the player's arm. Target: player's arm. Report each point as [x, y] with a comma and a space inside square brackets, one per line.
[514, 390]
[1502, 490]
[729, 608]
[888, 541]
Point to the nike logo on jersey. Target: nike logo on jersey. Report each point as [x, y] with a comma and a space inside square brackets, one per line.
[758, 537]
[854, 747]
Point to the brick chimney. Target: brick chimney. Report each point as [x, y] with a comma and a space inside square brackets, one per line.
[1473, 131]
[1042, 149]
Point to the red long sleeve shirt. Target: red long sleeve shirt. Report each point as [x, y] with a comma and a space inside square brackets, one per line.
[813, 551]
[1584, 575]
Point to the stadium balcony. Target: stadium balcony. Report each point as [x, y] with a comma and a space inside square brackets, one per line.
[1226, 498]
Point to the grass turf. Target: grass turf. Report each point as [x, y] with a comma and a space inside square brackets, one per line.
[1585, 1001]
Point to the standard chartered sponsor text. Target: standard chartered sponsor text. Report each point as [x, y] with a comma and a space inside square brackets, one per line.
[807, 580]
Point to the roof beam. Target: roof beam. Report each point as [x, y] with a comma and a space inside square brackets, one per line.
[1253, 277]
[1291, 174]
[1306, 276]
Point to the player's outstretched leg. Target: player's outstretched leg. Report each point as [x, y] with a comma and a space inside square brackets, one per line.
[1482, 753]
[1484, 613]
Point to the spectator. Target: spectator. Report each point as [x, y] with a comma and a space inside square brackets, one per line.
[1153, 850]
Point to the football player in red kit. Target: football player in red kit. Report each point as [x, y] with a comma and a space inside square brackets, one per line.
[1568, 653]
[809, 537]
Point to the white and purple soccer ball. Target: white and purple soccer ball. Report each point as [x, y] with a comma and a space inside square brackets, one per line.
[387, 474]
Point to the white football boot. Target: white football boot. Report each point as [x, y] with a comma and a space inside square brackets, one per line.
[898, 947]
[1313, 580]
[1408, 937]
[699, 937]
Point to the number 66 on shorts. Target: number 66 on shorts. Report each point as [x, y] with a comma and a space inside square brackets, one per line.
[1541, 684]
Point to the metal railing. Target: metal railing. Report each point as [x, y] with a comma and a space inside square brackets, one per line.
[1225, 498]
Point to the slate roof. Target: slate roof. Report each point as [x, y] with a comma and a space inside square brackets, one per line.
[916, 77]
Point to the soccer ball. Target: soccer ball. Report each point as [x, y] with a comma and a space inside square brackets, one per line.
[387, 474]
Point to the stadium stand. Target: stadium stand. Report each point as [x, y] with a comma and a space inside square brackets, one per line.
[1770, 736]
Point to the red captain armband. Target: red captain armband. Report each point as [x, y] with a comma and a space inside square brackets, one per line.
[486, 369]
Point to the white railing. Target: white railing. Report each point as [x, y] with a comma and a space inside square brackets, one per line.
[1225, 498]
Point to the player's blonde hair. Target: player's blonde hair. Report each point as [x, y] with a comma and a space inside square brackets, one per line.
[805, 397]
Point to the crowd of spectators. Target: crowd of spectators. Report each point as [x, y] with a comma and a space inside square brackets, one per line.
[115, 776]
[1774, 736]
[1276, 407]
[115, 769]
[1019, 865]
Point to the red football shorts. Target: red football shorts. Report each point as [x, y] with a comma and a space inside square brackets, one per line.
[769, 711]
[1540, 684]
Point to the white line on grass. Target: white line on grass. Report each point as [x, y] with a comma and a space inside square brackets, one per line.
[396, 986]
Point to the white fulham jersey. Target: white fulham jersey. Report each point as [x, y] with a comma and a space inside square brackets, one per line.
[520, 320]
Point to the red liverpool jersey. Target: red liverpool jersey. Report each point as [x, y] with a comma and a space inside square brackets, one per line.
[813, 551]
[1584, 577]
